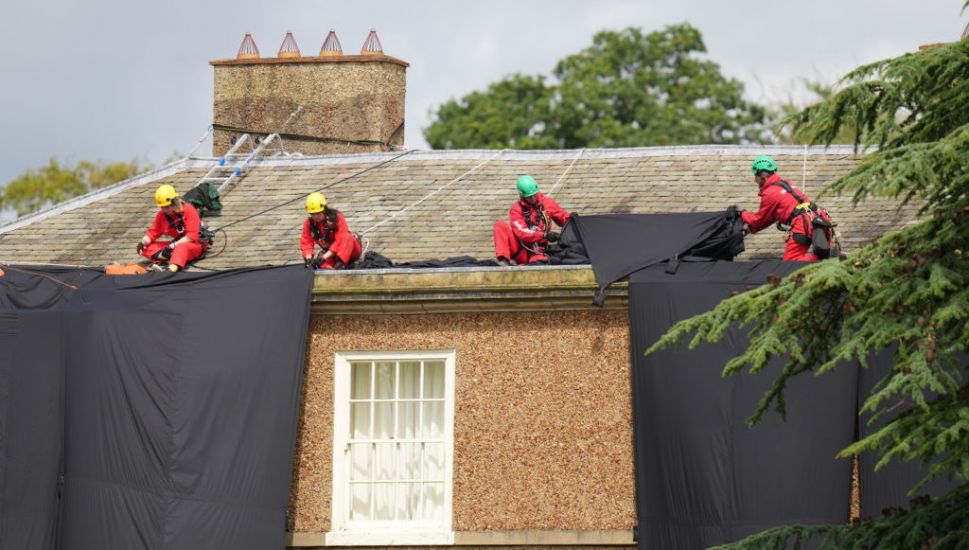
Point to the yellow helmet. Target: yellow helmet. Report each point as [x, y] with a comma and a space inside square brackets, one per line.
[165, 195]
[315, 203]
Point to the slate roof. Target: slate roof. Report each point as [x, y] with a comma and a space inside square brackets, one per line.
[435, 204]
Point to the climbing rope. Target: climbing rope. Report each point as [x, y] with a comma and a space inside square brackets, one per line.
[567, 170]
[431, 194]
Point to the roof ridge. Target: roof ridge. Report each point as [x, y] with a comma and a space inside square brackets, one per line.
[548, 154]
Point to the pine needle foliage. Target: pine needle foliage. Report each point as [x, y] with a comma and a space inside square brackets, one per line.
[906, 294]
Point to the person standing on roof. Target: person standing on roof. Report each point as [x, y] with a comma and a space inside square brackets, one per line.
[787, 206]
[327, 228]
[180, 221]
[523, 240]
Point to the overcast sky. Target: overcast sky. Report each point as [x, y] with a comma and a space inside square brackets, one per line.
[127, 79]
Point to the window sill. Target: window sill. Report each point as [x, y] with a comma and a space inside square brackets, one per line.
[389, 538]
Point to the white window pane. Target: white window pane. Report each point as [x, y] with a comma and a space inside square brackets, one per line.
[383, 501]
[433, 461]
[407, 420]
[359, 501]
[360, 386]
[386, 373]
[410, 379]
[433, 379]
[433, 420]
[434, 501]
[360, 420]
[410, 461]
[385, 460]
[360, 461]
[408, 500]
[383, 421]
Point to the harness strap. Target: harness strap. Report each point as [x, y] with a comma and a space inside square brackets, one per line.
[178, 223]
[329, 224]
[804, 205]
[535, 215]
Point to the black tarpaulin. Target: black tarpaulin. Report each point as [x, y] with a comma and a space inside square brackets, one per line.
[170, 402]
[619, 244]
[702, 476]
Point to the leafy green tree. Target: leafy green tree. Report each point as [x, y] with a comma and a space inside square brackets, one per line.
[907, 293]
[627, 89]
[54, 183]
[511, 113]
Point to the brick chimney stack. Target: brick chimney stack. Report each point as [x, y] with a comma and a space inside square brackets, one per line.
[350, 103]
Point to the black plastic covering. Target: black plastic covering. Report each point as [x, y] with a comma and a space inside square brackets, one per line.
[703, 477]
[149, 412]
[619, 244]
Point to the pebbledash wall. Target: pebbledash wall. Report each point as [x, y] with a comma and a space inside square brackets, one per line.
[542, 422]
[349, 103]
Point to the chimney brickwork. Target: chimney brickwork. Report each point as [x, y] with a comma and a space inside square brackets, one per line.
[350, 104]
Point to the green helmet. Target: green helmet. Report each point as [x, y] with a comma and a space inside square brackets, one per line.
[527, 186]
[763, 162]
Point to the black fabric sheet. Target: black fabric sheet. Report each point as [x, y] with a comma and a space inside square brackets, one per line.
[702, 476]
[619, 244]
[31, 421]
[161, 409]
[616, 244]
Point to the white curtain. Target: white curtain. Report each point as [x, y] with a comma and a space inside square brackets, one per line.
[396, 452]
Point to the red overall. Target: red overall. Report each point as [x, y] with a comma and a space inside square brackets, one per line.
[183, 224]
[776, 205]
[524, 239]
[331, 234]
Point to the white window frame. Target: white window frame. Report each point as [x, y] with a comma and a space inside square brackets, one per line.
[383, 533]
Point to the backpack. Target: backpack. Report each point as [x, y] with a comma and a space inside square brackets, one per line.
[205, 198]
[823, 240]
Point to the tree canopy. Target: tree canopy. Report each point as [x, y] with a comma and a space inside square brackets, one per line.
[54, 183]
[627, 89]
[906, 294]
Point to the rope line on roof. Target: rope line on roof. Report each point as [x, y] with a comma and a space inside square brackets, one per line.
[804, 170]
[327, 186]
[431, 194]
[562, 177]
[44, 275]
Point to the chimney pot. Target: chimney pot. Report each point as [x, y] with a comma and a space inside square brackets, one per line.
[372, 46]
[331, 45]
[248, 49]
[289, 48]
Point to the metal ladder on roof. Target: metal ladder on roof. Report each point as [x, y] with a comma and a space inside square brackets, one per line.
[233, 165]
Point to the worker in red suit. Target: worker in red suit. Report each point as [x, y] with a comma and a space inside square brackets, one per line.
[523, 240]
[180, 221]
[785, 205]
[327, 228]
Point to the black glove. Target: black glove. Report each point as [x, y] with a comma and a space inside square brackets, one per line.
[308, 263]
[551, 236]
[165, 253]
[140, 247]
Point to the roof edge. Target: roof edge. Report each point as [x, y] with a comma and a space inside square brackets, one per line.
[104, 192]
[464, 289]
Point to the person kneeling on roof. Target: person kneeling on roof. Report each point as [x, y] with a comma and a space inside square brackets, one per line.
[178, 220]
[327, 228]
[523, 241]
[806, 224]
